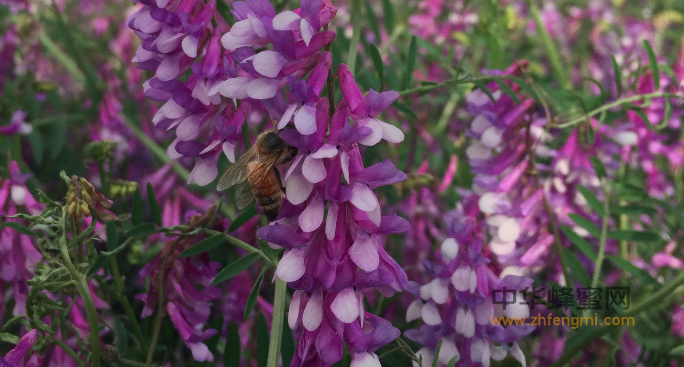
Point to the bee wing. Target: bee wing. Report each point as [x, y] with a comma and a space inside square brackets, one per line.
[237, 172]
[244, 194]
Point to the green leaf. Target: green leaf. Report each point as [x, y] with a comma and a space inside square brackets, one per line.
[507, 89]
[81, 236]
[137, 208]
[262, 341]
[586, 224]
[112, 236]
[234, 268]
[248, 214]
[580, 336]
[231, 353]
[62, 57]
[653, 64]
[36, 141]
[251, 300]
[677, 351]
[373, 21]
[389, 16]
[669, 72]
[452, 361]
[598, 166]
[636, 236]
[18, 227]
[142, 230]
[154, 205]
[643, 116]
[9, 338]
[405, 109]
[379, 66]
[484, 88]
[121, 336]
[580, 242]
[618, 76]
[577, 268]
[668, 115]
[410, 63]
[592, 200]
[639, 273]
[101, 261]
[204, 245]
[634, 210]
[435, 361]
[288, 345]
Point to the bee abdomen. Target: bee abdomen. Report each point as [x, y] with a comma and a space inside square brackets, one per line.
[270, 206]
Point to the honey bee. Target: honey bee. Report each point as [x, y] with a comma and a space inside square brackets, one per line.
[257, 175]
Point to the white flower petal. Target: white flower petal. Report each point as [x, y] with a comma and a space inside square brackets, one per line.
[313, 169]
[363, 197]
[313, 312]
[364, 252]
[305, 120]
[414, 310]
[449, 249]
[293, 312]
[345, 305]
[291, 266]
[285, 21]
[430, 314]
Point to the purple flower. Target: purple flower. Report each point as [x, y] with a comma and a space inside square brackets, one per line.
[331, 259]
[17, 125]
[19, 353]
[187, 291]
[17, 252]
[174, 35]
[461, 317]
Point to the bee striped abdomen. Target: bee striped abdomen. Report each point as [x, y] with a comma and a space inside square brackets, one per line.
[267, 192]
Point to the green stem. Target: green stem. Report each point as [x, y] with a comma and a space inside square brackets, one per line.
[131, 362]
[659, 296]
[616, 103]
[158, 151]
[604, 237]
[84, 291]
[356, 35]
[242, 244]
[160, 315]
[53, 119]
[398, 30]
[124, 301]
[68, 350]
[277, 323]
[245, 136]
[550, 46]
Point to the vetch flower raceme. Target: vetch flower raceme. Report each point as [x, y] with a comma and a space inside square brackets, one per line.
[186, 287]
[175, 34]
[458, 305]
[331, 259]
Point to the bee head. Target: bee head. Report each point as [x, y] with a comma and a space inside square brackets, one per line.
[273, 142]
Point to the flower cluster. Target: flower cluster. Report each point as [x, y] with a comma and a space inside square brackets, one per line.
[330, 259]
[182, 285]
[176, 34]
[17, 252]
[458, 305]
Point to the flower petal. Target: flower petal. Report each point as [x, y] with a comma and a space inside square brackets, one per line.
[268, 63]
[291, 266]
[313, 169]
[313, 312]
[312, 217]
[263, 88]
[364, 252]
[346, 306]
[363, 197]
[293, 311]
[430, 314]
[285, 21]
[305, 120]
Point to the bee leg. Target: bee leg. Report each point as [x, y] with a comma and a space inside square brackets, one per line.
[280, 182]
